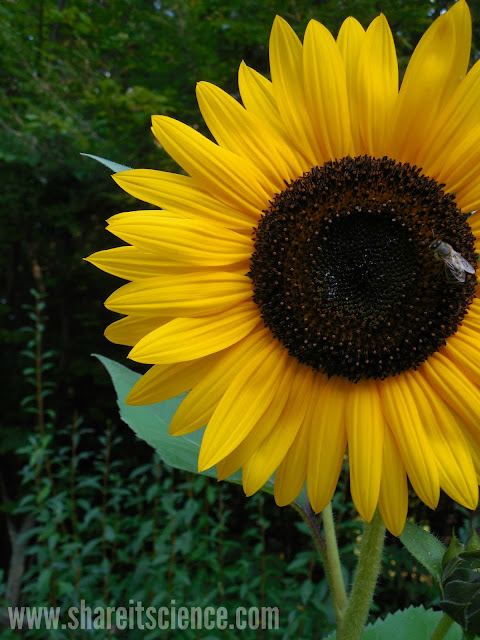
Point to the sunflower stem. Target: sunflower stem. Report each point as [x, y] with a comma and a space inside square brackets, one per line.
[328, 550]
[442, 627]
[351, 625]
[311, 520]
[334, 567]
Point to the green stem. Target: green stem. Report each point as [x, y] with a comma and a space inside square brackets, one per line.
[366, 575]
[334, 569]
[328, 550]
[311, 520]
[442, 628]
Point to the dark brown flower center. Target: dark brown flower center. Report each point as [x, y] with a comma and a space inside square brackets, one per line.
[344, 272]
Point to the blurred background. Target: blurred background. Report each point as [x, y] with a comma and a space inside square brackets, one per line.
[87, 511]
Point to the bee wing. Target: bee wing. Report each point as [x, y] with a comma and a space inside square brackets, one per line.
[455, 266]
[462, 263]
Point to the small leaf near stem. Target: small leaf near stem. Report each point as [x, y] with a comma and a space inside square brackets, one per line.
[425, 547]
[368, 568]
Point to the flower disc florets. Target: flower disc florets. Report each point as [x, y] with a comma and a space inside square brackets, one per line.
[344, 273]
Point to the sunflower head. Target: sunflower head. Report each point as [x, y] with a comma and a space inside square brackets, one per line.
[311, 280]
[354, 238]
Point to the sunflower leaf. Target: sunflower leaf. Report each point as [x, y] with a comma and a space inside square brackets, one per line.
[114, 166]
[414, 623]
[150, 423]
[425, 547]
[461, 590]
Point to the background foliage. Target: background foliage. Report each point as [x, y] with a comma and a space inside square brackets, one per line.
[85, 76]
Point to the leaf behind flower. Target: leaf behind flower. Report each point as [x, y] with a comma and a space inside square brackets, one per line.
[151, 422]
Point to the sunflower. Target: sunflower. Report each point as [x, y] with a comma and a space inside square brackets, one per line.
[311, 280]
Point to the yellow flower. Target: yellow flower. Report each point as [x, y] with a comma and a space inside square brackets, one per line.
[311, 281]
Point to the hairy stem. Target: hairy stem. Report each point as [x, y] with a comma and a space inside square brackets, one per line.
[356, 613]
[328, 550]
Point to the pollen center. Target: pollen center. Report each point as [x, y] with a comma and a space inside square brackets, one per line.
[347, 273]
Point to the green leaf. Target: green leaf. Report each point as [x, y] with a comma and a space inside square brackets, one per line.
[454, 548]
[306, 591]
[461, 590]
[150, 423]
[114, 166]
[300, 564]
[414, 623]
[109, 533]
[427, 549]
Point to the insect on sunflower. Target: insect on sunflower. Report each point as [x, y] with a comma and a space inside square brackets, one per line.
[292, 283]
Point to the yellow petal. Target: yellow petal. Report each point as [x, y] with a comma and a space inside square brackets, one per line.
[184, 339]
[365, 427]
[178, 240]
[459, 171]
[375, 91]
[328, 440]
[434, 71]
[246, 134]
[230, 178]
[474, 221]
[187, 294]
[460, 116]
[197, 408]
[462, 18]
[472, 318]
[463, 349]
[286, 66]
[130, 330]
[243, 404]
[132, 263]
[468, 192]
[472, 437]
[468, 332]
[393, 498]
[468, 206]
[147, 215]
[164, 381]
[326, 91]
[292, 472]
[179, 195]
[454, 462]
[257, 95]
[400, 405]
[264, 426]
[349, 40]
[258, 98]
[454, 387]
[271, 451]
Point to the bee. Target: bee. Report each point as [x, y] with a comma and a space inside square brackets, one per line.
[453, 261]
